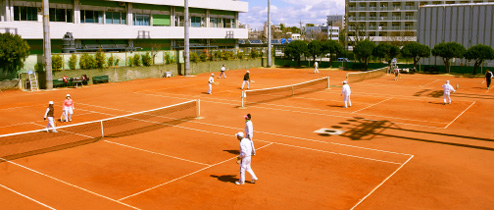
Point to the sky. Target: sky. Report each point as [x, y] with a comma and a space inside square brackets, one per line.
[291, 12]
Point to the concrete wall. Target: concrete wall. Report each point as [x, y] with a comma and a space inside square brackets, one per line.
[120, 74]
[9, 84]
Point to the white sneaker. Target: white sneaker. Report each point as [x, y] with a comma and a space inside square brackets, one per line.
[55, 131]
[254, 181]
[238, 183]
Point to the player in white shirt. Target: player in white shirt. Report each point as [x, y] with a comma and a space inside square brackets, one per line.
[346, 92]
[447, 92]
[49, 114]
[223, 69]
[244, 159]
[211, 82]
[315, 68]
[249, 131]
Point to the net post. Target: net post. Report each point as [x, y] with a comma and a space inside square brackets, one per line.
[292, 90]
[198, 110]
[102, 133]
[328, 83]
[242, 98]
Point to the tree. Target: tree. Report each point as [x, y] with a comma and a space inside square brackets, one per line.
[332, 47]
[356, 33]
[363, 51]
[447, 51]
[479, 53]
[416, 51]
[13, 52]
[296, 49]
[386, 52]
[314, 49]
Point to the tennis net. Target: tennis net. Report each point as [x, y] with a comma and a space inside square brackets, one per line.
[23, 144]
[250, 97]
[361, 76]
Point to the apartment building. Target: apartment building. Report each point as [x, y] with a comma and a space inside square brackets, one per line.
[117, 25]
[387, 20]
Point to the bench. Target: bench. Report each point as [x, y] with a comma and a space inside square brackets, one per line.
[58, 83]
[101, 79]
[76, 81]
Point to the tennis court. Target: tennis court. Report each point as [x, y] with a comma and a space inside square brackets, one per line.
[165, 144]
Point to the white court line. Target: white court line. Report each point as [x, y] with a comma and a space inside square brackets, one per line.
[13, 125]
[69, 184]
[184, 176]
[372, 105]
[337, 153]
[19, 107]
[25, 196]
[459, 115]
[268, 133]
[429, 83]
[156, 153]
[101, 107]
[327, 115]
[380, 184]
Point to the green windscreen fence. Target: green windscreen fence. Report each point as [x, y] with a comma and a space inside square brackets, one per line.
[161, 20]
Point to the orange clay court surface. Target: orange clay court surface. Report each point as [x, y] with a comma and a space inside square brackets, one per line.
[401, 147]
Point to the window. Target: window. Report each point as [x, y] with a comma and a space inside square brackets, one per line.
[179, 20]
[60, 15]
[25, 13]
[90, 16]
[229, 23]
[215, 22]
[116, 18]
[142, 20]
[196, 22]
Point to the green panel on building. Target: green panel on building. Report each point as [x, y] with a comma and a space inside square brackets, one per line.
[221, 12]
[62, 1]
[191, 10]
[100, 3]
[161, 20]
[226, 41]
[151, 7]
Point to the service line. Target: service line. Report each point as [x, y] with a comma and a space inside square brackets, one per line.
[372, 105]
[459, 115]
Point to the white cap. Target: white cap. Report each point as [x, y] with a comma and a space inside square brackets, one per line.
[68, 95]
[51, 102]
[248, 71]
[447, 81]
[240, 134]
[212, 74]
[344, 82]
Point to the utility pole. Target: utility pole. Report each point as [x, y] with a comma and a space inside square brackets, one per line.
[186, 39]
[47, 44]
[269, 33]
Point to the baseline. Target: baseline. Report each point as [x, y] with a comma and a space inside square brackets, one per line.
[27, 197]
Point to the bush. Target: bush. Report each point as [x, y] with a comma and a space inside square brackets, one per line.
[87, 61]
[254, 53]
[227, 55]
[39, 67]
[147, 60]
[204, 57]
[100, 59]
[194, 57]
[130, 61]
[137, 60]
[217, 55]
[110, 61]
[169, 58]
[239, 55]
[73, 61]
[56, 62]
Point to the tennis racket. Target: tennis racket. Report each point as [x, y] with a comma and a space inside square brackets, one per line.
[483, 81]
[457, 86]
[216, 83]
[253, 81]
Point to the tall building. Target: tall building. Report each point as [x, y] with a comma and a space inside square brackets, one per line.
[387, 20]
[336, 20]
[466, 24]
[322, 32]
[119, 25]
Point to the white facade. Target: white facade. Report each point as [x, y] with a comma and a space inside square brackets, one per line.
[134, 19]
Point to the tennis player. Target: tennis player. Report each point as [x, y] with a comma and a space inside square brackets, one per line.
[211, 82]
[447, 92]
[68, 109]
[346, 92]
[249, 131]
[50, 112]
[246, 80]
[244, 159]
[488, 78]
[223, 69]
[397, 73]
[315, 68]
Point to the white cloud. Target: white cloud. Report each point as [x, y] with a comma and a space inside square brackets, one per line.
[294, 11]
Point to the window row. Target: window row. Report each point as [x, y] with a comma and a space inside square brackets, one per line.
[93, 16]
